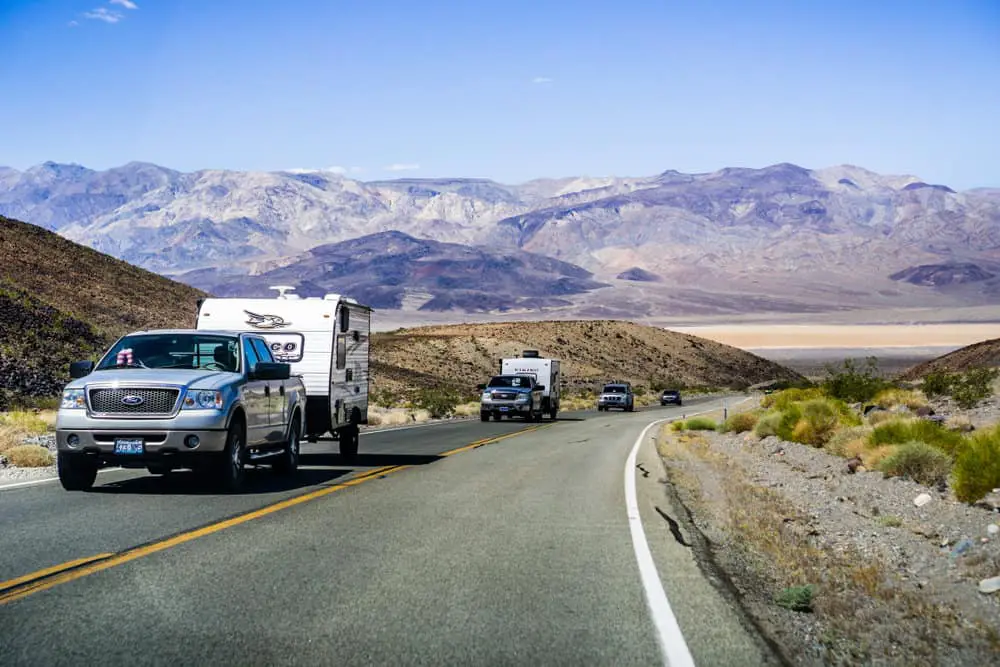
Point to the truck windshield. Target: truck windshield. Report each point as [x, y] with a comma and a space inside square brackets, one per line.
[509, 381]
[614, 389]
[182, 350]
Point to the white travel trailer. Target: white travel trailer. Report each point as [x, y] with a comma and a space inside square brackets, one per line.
[325, 340]
[546, 372]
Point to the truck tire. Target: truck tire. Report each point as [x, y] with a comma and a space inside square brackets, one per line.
[484, 416]
[288, 462]
[159, 469]
[349, 437]
[231, 470]
[76, 473]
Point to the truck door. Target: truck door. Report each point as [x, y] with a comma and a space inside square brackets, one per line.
[255, 402]
[277, 402]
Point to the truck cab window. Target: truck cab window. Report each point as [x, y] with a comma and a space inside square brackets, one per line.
[263, 354]
[250, 355]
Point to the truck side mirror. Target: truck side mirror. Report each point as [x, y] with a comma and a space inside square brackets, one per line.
[481, 387]
[540, 387]
[272, 371]
[79, 369]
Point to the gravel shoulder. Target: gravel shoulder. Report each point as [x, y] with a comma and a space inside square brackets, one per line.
[890, 582]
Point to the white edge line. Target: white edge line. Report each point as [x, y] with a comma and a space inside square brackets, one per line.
[673, 647]
[33, 482]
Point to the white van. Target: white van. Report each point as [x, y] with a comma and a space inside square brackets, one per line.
[325, 340]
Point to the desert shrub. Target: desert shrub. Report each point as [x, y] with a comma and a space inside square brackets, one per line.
[677, 425]
[973, 387]
[919, 461]
[901, 431]
[853, 384]
[700, 424]
[796, 598]
[877, 417]
[740, 422]
[819, 419]
[847, 441]
[977, 466]
[28, 423]
[890, 398]
[782, 399]
[768, 425]
[28, 456]
[439, 402]
[938, 384]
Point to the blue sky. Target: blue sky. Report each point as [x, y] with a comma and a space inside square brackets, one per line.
[507, 90]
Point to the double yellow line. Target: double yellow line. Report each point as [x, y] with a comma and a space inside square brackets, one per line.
[21, 587]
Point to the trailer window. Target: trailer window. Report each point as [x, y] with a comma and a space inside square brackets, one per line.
[341, 352]
[345, 318]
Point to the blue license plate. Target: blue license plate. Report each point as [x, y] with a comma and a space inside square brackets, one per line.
[504, 409]
[129, 446]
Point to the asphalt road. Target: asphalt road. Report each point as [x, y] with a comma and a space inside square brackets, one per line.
[515, 552]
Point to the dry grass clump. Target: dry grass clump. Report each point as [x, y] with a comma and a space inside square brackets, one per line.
[892, 397]
[28, 456]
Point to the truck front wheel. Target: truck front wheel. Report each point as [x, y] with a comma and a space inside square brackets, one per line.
[76, 473]
[231, 467]
[484, 416]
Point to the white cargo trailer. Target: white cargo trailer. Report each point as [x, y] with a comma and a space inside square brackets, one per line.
[545, 372]
[325, 340]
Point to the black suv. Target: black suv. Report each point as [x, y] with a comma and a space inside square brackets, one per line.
[671, 397]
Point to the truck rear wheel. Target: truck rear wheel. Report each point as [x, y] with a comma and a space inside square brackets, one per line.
[76, 473]
[349, 437]
[288, 462]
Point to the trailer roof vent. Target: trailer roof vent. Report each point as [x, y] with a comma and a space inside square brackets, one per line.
[530, 354]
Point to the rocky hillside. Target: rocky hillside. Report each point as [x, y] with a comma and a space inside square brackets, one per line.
[462, 356]
[60, 301]
[388, 269]
[985, 354]
[778, 239]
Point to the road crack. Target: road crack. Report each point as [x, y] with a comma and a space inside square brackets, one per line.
[675, 528]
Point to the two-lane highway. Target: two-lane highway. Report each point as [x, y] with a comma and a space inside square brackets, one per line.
[516, 552]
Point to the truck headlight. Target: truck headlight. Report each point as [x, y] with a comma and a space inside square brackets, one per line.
[203, 400]
[485, 397]
[72, 399]
[523, 398]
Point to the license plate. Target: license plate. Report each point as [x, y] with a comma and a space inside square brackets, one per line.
[504, 409]
[128, 446]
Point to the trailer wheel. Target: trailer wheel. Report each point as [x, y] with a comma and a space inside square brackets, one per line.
[349, 437]
[553, 412]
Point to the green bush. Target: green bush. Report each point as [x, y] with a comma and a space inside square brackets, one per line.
[700, 424]
[782, 399]
[768, 425]
[853, 384]
[977, 466]
[796, 598]
[901, 431]
[740, 422]
[938, 384]
[973, 387]
[819, 420]
[919, 461]
[439, 402]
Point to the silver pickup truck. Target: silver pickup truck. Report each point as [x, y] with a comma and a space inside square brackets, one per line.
[211, 401]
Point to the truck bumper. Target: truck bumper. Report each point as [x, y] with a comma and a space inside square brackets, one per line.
[178, 441]
[509, 408]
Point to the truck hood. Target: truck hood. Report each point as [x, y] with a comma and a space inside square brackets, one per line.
[510, 390]
[615, 396]
[201, 379]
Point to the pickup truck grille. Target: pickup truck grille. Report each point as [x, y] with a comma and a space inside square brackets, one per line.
[504, 395]
[113, 401]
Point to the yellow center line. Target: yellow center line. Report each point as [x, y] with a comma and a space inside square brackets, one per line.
[21, 587]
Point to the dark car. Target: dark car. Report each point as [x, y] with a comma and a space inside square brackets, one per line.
[671, 397]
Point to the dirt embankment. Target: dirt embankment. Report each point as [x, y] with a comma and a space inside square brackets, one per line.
[837, 565]
[461, 356]
[985, 354]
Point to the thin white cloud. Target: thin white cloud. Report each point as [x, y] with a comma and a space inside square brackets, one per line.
[72, 24]
[327, 170]
[127, 4]
[402, 167]
[541, 79]
[102, 14]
